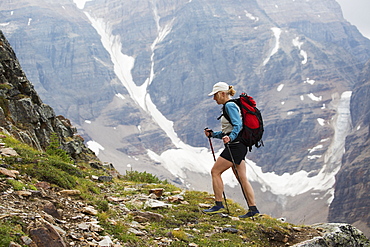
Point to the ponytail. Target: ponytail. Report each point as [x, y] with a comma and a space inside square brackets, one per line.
[231, 91]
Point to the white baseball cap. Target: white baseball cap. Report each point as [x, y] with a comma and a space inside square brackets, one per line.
[219, 86]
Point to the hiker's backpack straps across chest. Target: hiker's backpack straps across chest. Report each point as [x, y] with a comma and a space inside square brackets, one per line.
[252, 131]
[224, 112]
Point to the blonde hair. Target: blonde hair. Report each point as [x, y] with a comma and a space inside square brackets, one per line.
[231, 91]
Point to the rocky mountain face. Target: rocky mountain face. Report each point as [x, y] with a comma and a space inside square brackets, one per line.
[133, 77]
[352, 181]
[25, 116]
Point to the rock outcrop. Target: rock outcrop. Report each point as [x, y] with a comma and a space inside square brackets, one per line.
[25, 116]
[336, 234]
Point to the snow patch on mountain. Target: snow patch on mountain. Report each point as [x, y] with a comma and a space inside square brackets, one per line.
[95, 147]
[303, 53]
[342, 126]
[309, 81]
[311, 150]
[313, 97]
[250, 16]
[81, 3]
[321, 121]
[120, 96]
[280, 87]
[162, 33]
[277, 32]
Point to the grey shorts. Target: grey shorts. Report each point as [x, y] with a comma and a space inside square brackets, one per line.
[238, 152]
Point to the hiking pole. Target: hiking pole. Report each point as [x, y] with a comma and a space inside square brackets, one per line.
[236, 173]
[214, 158]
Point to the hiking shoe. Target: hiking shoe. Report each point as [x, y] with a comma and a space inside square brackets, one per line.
[249, 214]
[215, 210]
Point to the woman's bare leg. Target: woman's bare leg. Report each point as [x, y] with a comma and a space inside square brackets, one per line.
[247, 187]
[218, 168]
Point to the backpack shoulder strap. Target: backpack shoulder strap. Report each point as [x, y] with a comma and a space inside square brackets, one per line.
[224, 112]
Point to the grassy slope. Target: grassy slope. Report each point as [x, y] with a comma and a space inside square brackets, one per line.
[182, 224]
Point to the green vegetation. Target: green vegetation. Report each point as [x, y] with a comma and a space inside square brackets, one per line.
[182, 224]
[142, 177]
[54, 149]
[19, 185]
[53, 166]
[10, 230]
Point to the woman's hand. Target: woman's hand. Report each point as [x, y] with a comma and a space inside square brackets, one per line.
[208, 132]
[226, 139]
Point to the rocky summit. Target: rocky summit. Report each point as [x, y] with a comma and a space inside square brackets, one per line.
[133, 77]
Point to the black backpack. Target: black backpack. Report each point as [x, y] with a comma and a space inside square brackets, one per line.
[252, 131]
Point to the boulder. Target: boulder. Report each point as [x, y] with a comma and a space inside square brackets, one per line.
[46, 236]
[336, 234]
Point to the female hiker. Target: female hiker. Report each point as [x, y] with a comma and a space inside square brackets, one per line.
[222, 93]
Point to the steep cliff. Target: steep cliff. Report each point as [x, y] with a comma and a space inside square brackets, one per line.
[25, 116]
[353, 181]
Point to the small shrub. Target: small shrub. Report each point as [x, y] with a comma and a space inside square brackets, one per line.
[54, 149]
[142, 177]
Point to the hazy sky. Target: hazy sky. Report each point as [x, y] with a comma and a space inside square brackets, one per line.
[357, 12]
